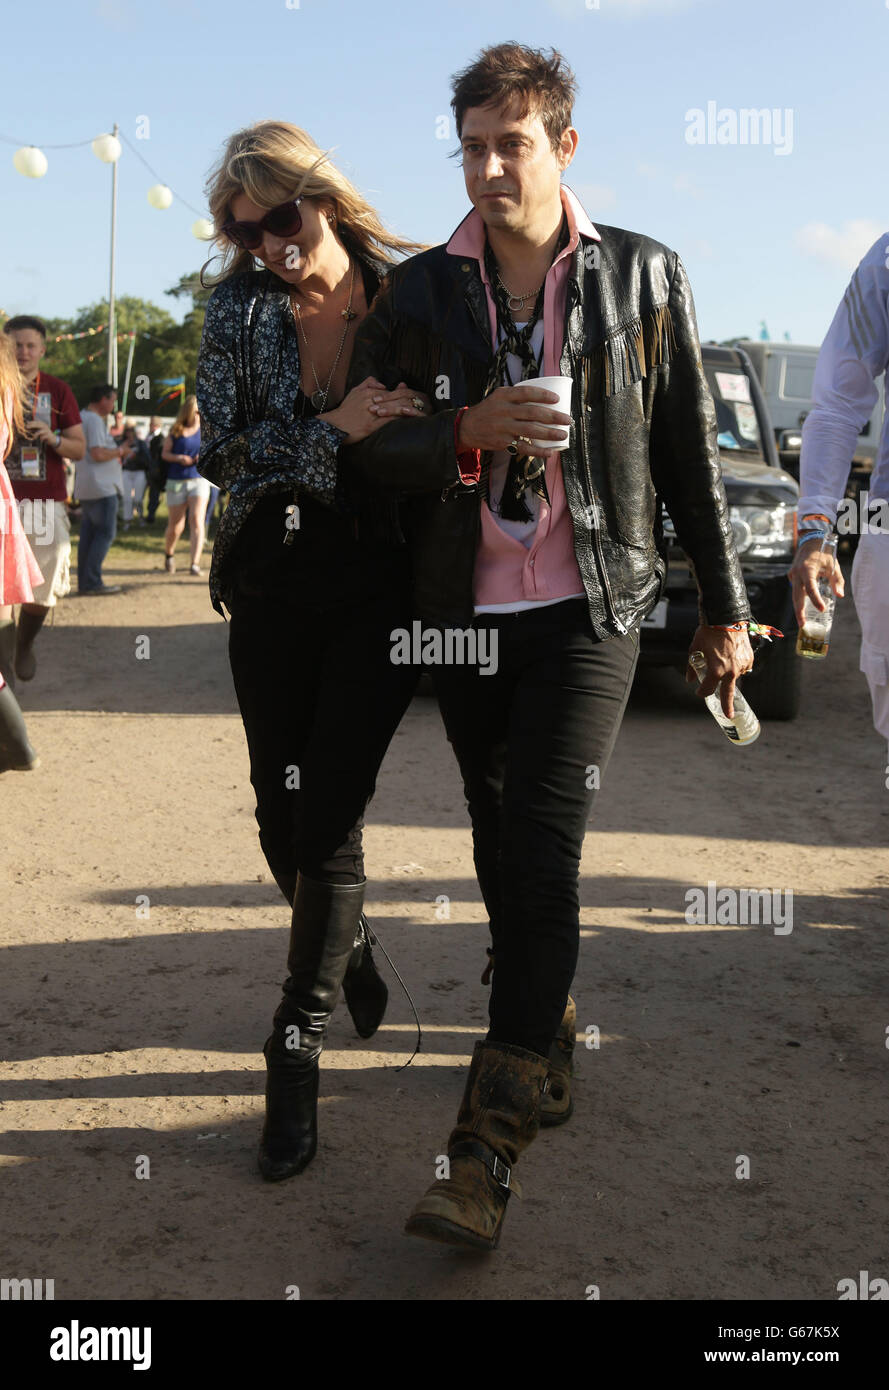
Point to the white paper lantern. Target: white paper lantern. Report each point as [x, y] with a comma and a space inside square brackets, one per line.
[107, 148]
[203, 229]
[160, 196]
[30, 161]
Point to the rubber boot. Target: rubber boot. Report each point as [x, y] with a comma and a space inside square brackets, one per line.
[557, 1105]
[28, 627]
[498, 1119]
[7, 650]
[364, 989]
[322, 935]
[16, 753]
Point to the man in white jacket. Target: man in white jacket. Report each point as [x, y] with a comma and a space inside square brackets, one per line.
[854, 353]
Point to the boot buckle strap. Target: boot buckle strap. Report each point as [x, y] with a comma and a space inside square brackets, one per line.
[500, 1171]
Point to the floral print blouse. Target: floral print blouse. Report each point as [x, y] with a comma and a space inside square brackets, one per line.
[252, 442]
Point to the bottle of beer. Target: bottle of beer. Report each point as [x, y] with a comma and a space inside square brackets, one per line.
[744, 726]
[813, 638]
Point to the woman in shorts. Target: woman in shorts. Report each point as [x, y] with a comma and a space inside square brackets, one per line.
[187, 491]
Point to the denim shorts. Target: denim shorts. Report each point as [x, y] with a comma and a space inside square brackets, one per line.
[180, 489]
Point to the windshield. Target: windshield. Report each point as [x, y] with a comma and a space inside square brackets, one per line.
[736, 423]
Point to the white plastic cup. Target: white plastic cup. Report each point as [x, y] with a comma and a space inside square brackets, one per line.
[561, 384]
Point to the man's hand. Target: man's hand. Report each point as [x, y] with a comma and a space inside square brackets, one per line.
[39, 429]
[511, 411]
[808, 567]
[729, 655]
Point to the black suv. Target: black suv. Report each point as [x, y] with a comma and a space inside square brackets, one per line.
[762, 501]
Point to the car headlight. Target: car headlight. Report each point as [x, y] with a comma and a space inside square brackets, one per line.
[762, 532]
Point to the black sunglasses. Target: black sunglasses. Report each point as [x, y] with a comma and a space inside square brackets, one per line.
[284, 220]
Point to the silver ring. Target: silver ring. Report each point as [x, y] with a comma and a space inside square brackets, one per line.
[417, 403]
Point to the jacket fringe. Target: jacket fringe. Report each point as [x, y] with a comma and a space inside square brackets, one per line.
[629, 355]
[417, 354]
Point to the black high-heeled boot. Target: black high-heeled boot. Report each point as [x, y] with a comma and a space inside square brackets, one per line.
[364, 989]
[322, 937]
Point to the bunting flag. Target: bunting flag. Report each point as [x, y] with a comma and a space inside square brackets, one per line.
[85, 333]
[176, 385]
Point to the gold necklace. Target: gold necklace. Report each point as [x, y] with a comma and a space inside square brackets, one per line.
[319, 395]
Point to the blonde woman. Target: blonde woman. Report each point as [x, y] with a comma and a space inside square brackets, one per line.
[312, 570]
[19, 571]
[187, 492]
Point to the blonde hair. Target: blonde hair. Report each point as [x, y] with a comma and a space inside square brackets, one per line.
[12, 391]
[187, 416]
[272, 161]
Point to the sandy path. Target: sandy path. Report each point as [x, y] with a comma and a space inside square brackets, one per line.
[123, 1036]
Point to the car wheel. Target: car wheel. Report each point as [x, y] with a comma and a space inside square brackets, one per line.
[774, 690]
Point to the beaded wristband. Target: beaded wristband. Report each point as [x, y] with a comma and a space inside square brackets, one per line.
[754, 629]
[812, 535]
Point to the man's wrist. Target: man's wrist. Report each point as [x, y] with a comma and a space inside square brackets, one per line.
[469, 460]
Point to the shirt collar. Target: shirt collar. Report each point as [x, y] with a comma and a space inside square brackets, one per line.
[469, 237]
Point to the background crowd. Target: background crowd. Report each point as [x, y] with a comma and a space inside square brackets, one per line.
[77, 473]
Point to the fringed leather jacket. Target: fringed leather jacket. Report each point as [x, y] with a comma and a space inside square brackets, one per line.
[643, 431]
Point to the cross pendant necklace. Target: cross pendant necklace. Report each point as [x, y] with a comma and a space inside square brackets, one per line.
[319, 395]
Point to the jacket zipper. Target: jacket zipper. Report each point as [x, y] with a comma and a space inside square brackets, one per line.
[594, 500]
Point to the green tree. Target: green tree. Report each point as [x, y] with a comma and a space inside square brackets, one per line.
[163, 347]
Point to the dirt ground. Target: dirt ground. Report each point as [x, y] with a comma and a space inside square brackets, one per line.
[126, 1036]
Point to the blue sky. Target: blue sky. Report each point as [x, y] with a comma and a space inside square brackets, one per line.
[764, 235]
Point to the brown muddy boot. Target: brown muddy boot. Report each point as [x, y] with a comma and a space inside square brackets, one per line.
[498, 1119]
[557, 1105]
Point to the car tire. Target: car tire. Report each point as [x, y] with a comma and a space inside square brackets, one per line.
[775, 689]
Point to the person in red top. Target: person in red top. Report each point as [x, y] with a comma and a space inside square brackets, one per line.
[36, 467]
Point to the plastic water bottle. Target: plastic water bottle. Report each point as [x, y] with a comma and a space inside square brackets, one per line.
[743, 727]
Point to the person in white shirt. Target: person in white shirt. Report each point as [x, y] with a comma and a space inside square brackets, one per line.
[97, 486]
[854, 353]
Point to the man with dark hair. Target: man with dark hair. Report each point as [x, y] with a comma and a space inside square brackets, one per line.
[554, 552]
[97, 487]
[36, 467]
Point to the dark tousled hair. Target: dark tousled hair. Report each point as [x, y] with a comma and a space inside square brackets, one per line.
[98, 393]
[25, 321]
[510, 71]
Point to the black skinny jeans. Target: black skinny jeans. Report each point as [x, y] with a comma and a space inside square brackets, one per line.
[525, 739]
[318, 694]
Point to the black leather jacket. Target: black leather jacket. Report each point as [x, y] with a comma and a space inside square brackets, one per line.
[643, 431]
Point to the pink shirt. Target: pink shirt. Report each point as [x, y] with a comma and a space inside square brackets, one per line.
[510, 573]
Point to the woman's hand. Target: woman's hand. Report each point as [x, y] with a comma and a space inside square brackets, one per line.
[357, 413]
[401, 401]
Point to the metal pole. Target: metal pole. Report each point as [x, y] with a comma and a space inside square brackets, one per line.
[112, 342]
[126, 380]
